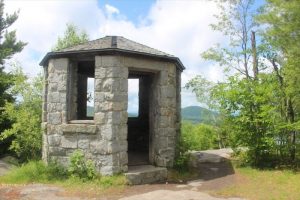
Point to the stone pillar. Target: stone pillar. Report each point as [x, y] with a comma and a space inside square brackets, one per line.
[165, 136]
[111, 87]
[56, 98]
[44, 116]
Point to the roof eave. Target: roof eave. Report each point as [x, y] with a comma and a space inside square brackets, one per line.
[45, 60]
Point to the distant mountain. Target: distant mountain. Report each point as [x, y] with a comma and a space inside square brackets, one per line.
[197, 114]
[90, 111]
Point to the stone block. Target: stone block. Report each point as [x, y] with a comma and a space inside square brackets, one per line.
[63, 160]
[54, 118]
[100, 118]
[52, 87]
[62, 87]
[163, 121]
[100, 72]
[69, 142]
[98, 147]
[111, 85]
[98, 62]
[115, 72]
[79, 128]
[112, 61]
[54, 97]
[117, 117]
[98, 85]
[56, 151]
[59, 64]
[117, 146]
[83, 143]
[123, 158]
[54, 140]
[168, 91]
[113, 132]
[123, 85]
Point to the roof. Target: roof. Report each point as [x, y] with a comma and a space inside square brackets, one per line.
[112, 44]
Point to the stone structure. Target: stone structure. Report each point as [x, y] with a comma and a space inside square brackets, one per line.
[111, 139]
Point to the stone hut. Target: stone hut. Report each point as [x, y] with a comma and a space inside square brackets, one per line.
[115, 142]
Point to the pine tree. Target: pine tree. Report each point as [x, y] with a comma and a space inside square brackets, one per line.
[8, 47]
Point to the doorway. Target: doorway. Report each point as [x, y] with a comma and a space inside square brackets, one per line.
[139, 137]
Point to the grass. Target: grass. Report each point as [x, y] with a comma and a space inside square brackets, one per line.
[264, 185]
[38, 172]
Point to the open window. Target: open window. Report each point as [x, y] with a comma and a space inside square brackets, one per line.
[133, 97]
[81, 96]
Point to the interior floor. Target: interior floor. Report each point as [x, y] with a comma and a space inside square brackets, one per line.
[137, 158]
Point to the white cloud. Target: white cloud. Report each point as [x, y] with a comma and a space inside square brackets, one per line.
[111, 10]
[176, 27]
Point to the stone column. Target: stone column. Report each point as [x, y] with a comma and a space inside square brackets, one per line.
[111, 87]
[166, 124]
[56, 106]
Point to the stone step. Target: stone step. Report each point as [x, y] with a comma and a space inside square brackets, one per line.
[144, 174]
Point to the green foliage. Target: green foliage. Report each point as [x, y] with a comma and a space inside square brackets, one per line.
[8, 47]
[53, 173]
[26, 115]
[194, 137]
[71, 37]
[81, 168]
[259, 108]
[34, 171]
[198, 137]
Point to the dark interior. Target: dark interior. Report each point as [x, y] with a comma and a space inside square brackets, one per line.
[86, 69]
[138, 127]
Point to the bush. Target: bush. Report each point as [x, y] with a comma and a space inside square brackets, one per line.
[81, 168]
[198, 137]
[194, 137]
[35, 171]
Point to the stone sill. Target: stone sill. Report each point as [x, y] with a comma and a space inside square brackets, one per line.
[83, 128]
[81, 122]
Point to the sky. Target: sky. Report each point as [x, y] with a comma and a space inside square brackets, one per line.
[177, 27]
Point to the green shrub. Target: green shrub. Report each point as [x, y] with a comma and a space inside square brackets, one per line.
[35, 171]
[81, 168]
[198, 137]
[194, 137]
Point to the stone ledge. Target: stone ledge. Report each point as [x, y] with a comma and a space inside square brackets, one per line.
[145, 174]
[79, 128]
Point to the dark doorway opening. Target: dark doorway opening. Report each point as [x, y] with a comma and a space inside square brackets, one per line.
[139, 126]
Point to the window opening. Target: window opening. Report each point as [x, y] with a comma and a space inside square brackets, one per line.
[133, 98]
[90, 97]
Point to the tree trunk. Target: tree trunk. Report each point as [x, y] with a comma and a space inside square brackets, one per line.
[254, 55]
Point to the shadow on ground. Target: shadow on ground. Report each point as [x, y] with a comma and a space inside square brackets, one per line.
[211, 164]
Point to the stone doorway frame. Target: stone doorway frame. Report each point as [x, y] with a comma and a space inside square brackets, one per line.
[148, 77]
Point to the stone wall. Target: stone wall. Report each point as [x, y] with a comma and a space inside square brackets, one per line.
[104, 139]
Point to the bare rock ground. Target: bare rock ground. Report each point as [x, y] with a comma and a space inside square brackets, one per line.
[216, 172]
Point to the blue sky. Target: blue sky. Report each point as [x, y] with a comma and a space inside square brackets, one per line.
[178, 27]
[134, 10]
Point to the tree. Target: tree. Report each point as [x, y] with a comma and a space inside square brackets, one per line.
[26, 115]
[282, 21]
[8, 47]
[71, 37]
[251, 102]
[26, 112]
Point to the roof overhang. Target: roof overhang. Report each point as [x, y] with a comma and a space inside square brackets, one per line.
[110, 51]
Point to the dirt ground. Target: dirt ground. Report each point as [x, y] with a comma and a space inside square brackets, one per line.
[213, 177]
